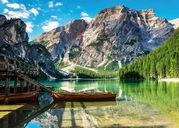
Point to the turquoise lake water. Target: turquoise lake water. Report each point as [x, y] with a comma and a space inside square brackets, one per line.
[138, 104]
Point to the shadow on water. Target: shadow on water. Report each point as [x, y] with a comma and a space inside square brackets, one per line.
[21, 117]
[73, 116]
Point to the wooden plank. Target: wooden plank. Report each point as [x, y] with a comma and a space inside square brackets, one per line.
[28, 86]
[7, 86]
[15, 84]
[22, 85]
[3, 114]
[10, 107]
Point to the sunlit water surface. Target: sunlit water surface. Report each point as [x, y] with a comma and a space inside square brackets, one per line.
[139, 104]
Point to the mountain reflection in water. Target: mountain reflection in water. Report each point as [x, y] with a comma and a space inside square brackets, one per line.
[101, 114]
[142, 104]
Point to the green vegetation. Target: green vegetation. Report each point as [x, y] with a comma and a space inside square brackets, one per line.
[74, 51]
[59, 65]
[111, 66]
[162, 62]
[43, 42]
[83, 72]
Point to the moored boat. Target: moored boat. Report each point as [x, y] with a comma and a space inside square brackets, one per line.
[84, 96]
[23, 97]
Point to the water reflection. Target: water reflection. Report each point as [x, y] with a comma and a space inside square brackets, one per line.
[20, 117]
[104, 114]
[139, 104]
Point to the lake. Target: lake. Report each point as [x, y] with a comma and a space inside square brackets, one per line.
[139, 104]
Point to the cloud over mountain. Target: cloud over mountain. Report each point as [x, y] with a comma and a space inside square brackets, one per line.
[50, 25]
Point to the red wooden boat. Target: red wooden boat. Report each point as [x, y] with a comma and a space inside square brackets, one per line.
[84, 96]
[23, 97]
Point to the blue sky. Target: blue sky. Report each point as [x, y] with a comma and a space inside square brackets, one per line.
[43, 15]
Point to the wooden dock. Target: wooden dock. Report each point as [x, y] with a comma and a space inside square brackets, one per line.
[7, 109]
[25, 87]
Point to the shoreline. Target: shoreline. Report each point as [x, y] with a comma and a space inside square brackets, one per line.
[175, 80]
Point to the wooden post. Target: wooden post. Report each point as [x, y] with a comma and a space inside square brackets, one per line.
[32, 87]
[22, 85]
[7, 86]
[35, 88]
[28, 86]
[15, 84]
[7, 91]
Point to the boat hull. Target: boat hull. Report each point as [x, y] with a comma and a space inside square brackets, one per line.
[19, 98]
[83, 96]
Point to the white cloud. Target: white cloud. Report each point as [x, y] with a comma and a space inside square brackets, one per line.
[58, 4]
[175, 23]
[50, 25]
[19, 11]
[13, 5]
[29, 27]
[38, 8]
[87, 19]
[34, 11]
[5, 10]
[78, 7]
[17, 14]
[84, 14]
[4, 1]
[54, 17]
[50, 4]
[16, 6]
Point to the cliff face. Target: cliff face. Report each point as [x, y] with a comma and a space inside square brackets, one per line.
[13, 37]
[14, 43]
[122, 34]
[116, 34]
[59, 40]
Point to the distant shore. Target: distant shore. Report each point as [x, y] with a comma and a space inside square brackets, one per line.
[169, 79]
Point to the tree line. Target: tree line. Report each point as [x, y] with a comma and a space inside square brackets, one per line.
[160, 63]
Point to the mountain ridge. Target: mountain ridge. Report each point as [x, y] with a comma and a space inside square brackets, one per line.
[115, 34]
[14, 43]
[160, 63]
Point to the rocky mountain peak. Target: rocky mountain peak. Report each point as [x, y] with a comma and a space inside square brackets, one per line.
[147, 13]
[59, 40]
[114, 10]
[14, 43]
[122, 34]
[118, 34]
[3, 19]
[12, 31]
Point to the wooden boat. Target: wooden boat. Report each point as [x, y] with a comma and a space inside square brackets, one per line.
[84, 96]
[23, 97]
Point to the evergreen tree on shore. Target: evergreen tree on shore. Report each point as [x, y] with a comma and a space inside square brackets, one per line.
[160, 63]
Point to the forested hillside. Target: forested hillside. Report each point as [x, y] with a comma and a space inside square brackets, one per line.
[162, 62]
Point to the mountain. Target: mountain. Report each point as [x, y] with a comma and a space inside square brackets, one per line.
[59, 40]
[114, 37]
[175, 22]
[14, 43]
[122, 34]
[162, 62]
